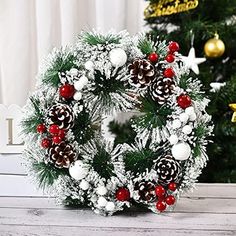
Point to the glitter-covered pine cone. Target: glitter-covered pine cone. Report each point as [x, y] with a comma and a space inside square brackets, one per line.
[61, 155]
[142, 72]
[145, 190]
[161, 88]
[168, 169]
[61, 115]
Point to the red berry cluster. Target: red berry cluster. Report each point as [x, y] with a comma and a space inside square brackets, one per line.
[164, 198]
[56, 134]
[153, 58]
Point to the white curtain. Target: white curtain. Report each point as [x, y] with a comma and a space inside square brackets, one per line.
[31, 28]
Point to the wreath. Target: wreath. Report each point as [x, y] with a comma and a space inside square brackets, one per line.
[106, 74]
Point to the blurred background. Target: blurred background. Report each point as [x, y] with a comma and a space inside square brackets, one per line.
[31, 28]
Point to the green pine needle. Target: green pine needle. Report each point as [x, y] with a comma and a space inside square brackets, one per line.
[62, 63]
[29, 124]
[46, 173]
[154, 114]
[102, 163]
[146, 46]
[138, 161]
[93, 38]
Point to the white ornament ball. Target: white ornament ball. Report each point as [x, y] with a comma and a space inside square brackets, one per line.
[187, 129]
[173, 139]
[176, 124]
[94, 199]
[118, 57]
[181, 151]
[84, 185]
[78, 170]
[101, 190]
[189, 110]
[77, 96]
[89, 65]
[183, 117]
[73, 71]
[193, 117]
[102, 202]
[84, 80]
[110, 206]
[78, 85]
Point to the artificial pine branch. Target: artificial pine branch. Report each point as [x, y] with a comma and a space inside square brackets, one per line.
[93, 38]
[146, 46]
[46, 173]
[62, 63]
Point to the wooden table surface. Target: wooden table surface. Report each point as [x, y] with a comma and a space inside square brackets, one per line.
[209, 210]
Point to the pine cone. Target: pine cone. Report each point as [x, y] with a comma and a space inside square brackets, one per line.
[62, 154]
[161, 88]
[146, 190]
[142, 73]
[61, 115]
[168, 169]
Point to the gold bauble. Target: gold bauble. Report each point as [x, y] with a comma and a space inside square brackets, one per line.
[214, 47]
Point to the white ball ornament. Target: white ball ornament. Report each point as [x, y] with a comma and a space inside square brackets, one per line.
[187, 129]
[189, 110]
[89, 65]
[77, 96]
[73, 71]
[193, 117]
[176, 124]
[110, 206]
[102, 202]
[101, 190]
[84, 185]
[173, 139]
[181, 151]
[183, 117]
[118, 57]
[78, 170]
[78, 85]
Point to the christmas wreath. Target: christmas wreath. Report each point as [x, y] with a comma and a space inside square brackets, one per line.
[103, 74]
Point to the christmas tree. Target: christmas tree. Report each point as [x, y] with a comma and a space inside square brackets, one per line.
[192, 24]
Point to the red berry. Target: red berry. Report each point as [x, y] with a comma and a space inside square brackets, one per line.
[56, 139]
[46, 143]
[169, 73]
[41, 128]
[122, 194]
[54, 129]
[62, 133]
[170, 200]
[67, 91]
[184, 101]
[170, 58]
[174, 47]
[172, 186]
[160, 191]
[153, 57]
[161, 206]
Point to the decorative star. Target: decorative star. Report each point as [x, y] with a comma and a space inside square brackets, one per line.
[233, 107]
[192, 62]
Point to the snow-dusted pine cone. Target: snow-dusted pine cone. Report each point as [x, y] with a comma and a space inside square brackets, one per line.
[146, 190]
[62, 154]
[168, 169]
[161, 88]
[142, 72]
[61, 115]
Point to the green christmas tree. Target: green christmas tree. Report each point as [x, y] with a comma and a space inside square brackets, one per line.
[201, 24]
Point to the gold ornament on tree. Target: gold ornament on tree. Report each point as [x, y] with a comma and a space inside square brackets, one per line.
[233, 107]
[169, 7]
[214, 47]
